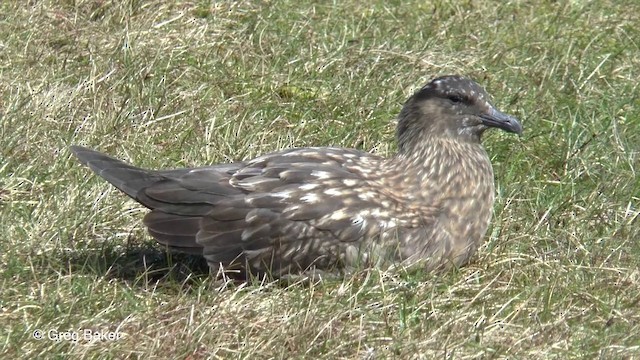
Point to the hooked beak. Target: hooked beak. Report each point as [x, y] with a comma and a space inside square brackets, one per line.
[500, 120]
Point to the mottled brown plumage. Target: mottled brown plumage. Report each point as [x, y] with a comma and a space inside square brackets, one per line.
[319, 209]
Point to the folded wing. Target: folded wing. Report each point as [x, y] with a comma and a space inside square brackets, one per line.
[282, 212]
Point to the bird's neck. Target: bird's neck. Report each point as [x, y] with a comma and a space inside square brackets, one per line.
[443, 164]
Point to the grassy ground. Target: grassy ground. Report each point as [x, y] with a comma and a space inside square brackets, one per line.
[167, 84]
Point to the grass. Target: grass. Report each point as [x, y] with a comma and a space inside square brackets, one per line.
[174, 84]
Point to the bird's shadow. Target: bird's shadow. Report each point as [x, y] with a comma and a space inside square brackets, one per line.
[149, 265]
[139, 264]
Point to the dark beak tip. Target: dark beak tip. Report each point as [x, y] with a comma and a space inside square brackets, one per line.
[516, 126]
[503, 121]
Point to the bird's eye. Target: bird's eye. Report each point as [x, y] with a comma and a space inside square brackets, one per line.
[455, 99]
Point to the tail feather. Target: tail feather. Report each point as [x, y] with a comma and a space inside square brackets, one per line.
[127, 178]
[176, 231]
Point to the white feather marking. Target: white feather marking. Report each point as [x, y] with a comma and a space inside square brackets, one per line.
[366, 196]
[333, 192]
[321, 174]
[308, 187]
[291, 209]
[377, 213]
[252, 184]
[310, 198]
[339, 215]
[390, 224]
[252, 216]
[282, 194]
[350, 182]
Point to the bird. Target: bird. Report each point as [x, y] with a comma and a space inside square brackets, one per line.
[328, 210]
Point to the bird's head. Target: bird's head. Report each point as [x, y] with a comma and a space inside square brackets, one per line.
[450, 106]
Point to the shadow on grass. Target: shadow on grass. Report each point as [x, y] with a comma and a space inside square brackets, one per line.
[147, 265]
[141, 265]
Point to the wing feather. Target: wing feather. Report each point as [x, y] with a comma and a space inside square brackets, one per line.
[282, 212]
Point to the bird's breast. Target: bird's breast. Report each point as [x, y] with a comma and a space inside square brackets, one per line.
[454, 185]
